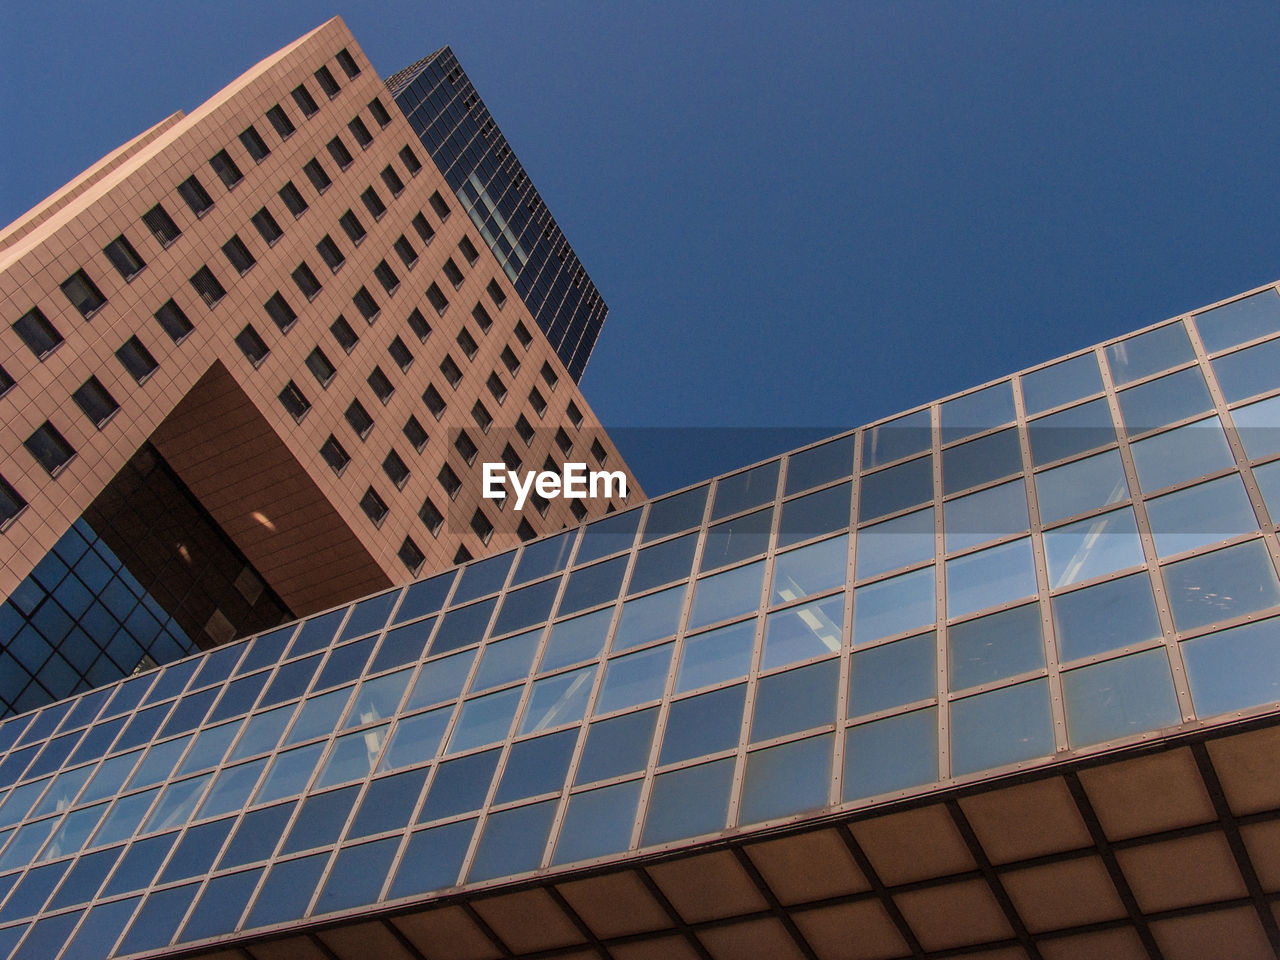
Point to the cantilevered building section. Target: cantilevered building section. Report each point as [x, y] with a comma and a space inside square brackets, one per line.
[998, 677]
[250, 366]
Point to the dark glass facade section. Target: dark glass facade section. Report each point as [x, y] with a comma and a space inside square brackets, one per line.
[454, 125]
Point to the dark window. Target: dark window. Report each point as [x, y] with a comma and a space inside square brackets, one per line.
[373, 506]
[468, 250]
[252, 345]
[526, 531]
[173, 321]
[161, 225]
[373, 203]
[293, 200]
[123, 257]
[7, 382]
[352, 226]
[365, 303]
[496, 295]
[359, 419]
[408, 255]
[435, 403]
[96, 402]
[334, 455]
[481, 526]
[449, 481]
[574, 414]
[564, 441]
[418, 324]
[306, 103]
[319, 365]
[207, 285]
[294, 401]
[452, 273]
[451, 371]
[393, 181]
[410, 161]
[386, 276]
[395, 469]
[327, 83]
[481, 416]
[510, 361]
[281, 314]
[341, 155]
[135, 358]
[238, 254]
[579, 511]
[83, 293]
[431, 517]
[280, 120]
[348, 63]
[549, 375]
[381, 385]
[360, 132]
[439, 206]
[197, 197]
[306, 280]
[467, 343]
[425, 230]
[412, 557]
[466, 447]
[524, 429]
[226, 169]
[540, 503]
[379, 112]
[34, 329]
[415, 433]
[330, 253]
[342, 332]
[538, 402]
[316, 173]
[401, 354]
[497, 387]
[598, 452]
[523, 334]
[267, 226]
[254, 145]
[50, 448]
[481, 317]
[510, 457]
[12, 503]
[462, 555]
[437, 299]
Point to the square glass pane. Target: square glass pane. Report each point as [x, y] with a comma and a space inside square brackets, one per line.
[798, 633]
[613, 533]
[663, 563]
[688, 802]
[978, 581]
[433, 859]
[357, 876]
[1061, 383]
[1220, 585]
[287, 890]
[463, 626]
[319, 715]
[232, 787]
[1239, 322]
[1182, 454]
[980, 461]
[482, 578]
[634, 678]
[353, 756]
[900, 437]
[291, 680]
[974, 412]
[1234, 669]
[1000, 727]
[745, 490]
[460, 785]
[536, 766]
[617, 746]
[416, 739]
[589, 586]
[891, 754]
[440, 680]
[1084, 485]
[1118, 698]
[1200, 515]
[1250, 371]
[737, 539]
[423, 597]
[316, 633]
[896, 488]
[1091, 548]
[895, 543]
[543, 558]
[893, 674]
[290, 771]
[1149, 353]
[345, 663]
[1105, 617]
[377, 699]
[262, 732]
[707, 723]
[158, 919]
[649, 618]
[795, 700]
[526, 607]
[812, 569]
[557, 700]
[506, 660]
[1268, 477]
[598, 822]
[897, 605]
[484, 720]
[320, 821]
[991, 648]
[810, 516]
[819, 465]
[573, 641]
[1258, 425]
[789, 778]
[716, 656]
[369, 615]
[1070, 432]
[673, 514]
[207, 751]
[1158, 403]
[986, 515]
[728, 594]
[512, 842]
[176, 803]
[256, 836]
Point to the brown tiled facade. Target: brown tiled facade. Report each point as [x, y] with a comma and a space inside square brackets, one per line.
[337, 227]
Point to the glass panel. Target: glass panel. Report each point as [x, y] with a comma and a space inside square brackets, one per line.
[1081, 486]
[893, 606]
[238, 697]
[716, 656]
[663, 563]
[975, 412]
[1053, 386]
[990, 648]
[1149, 353]
[980, 461]
[688, 802]
[317, 633]
[209, 748]
[103, 925]
[798, 633]
[460, 785]
[543, 558]
[291, 680]
[140, 864]
[572, 641]
[484, 720]
[815, 514]
[1105, 617]
[377, 699]
[1201, 515]
[795, 700]
[986, 515]
[635, 678]
[440, 680]
[1239, 322]
[257, 835]
[898, 438]
[506, 661]
[747, 489]
[736, 540]
[893, 674]
[463, 626]
[536, 766]
[319, 715]
[353, 756]
[176, 803]
[85, 878]
[891, 754]
[896, 488]
[819, 465]
[526, 606]
[608, 536]
[1250, 371]
[598, 822]
[589, 586]
[1268, 477]
[673, 514]
[1119, 698]
[726, 595]
[1234, 669]
[1159, 403]
[266, 649]
[712, 722]
[321, 819]
[159, 763]
[369, 615]
[289, 772]
[120, 824]
[1071, 431]
[403, 645]
[990, 577]
[482, 578]
[357, 875]
[232, 787]
[1001, 727]
[558, 700]
[416, 739]
[158, 919]
[649, 618]
[512, 841]
[433, 859]
[287, 890]
[345, 663]
[1259, 427]
[1217, 586]
[1093, 547]
[895, 543]
[811, 569]
[618, 745]
[423, 597]
[1190, 451]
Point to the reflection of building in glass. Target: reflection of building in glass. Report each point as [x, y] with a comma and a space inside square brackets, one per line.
[997, 677]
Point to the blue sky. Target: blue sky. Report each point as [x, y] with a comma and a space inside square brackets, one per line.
[802, 215]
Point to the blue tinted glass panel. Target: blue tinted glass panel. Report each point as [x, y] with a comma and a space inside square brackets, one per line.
[634, 678]
[716, 656]
[673, 514]
[357, 875]
[557, 700]
[1118, 698]
[1091, 548]
[1201, 515]
[598, 822]
[648, 618]
[1158, 403]
[726, 595]
[1234, 669]
[232, 787]
[484, 720]
[975, 412]
[1240, 322]
[543, 558]
[433, 859]
[197, 850]
[895, 488]
[1259, 427]
[589, 586]
[1001, 727]
[513, 841]
[1105, 617]
[1079, 487]
[1061, 383]
[345, 663]
[536, 766]
[317, 633]
[663, 563]
[219, 908]
[403, 645]
[459, 786]
[895, 543]
[891, 754]
[287, 890]
[795, 700]
[377, 699]
[819, 465]
[416, 739]
[789, 778]
[618, 745]
[1070, 432]
[893, 674]
[812, 569]
[369, 615]
[321, 819]
[1149, 353]
[990, 648]
[482, 578]
[463, 626]
[1181, 454]
[440, 680]
[898, 438]
[423, 597]
[798, 633]
[159, 917]
[979, 461]
[319, 715]
[506, 661]
[1249, 371]
[986, 515]
[608, 536]
[892, 606]
[813, 515]
[990, 577]
[744, 490]
[289, 772]
[257, 835]
[1217, 586]
[526, 606]
[688, 802]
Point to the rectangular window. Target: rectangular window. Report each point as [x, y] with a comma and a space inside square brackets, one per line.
[410, 161]
[418, 324]
[481, 526]
[481, 317]
[13, 503]
[294, 401]
[373, 203]
[50, 448]
[348, 64]
[468, 250]
[523, 334]
[524, 429]
[365, 303]
[538, 402]
[381, 385]
[393, 181]
[497, 387]
[412, 557]
[578, 510]
[415, 433]
[425, 230]
[331, 253]
[317, 174]
[451, 371]
[510, 457]
[408, 255]
[83, 293]
[452, 273]
[467, 343]
[496, 295]
[197, 197]
[431, 517]
[510, 361]
[161, 225]
[268, 229]
[360, 132]
[352, 226]
[7, 382]
[173, 321]
[95, 401]
[252, 345]
[334, 455]
[238, 255]
[306, 103]
[226, 169]
[281, 122]
[207, 285]
[449, 481]
[341, 155]
[395, 469]
[293, 200]
[359, 419]
[434, 401]
[437, 299]
[401, 354]
[549, 375]
[374, 507]
[386, 276]
[481, 416]
[598, 452]
[320, 366]
[574, 415]
[281, 314]
[564, 441]
[306, 280]
[136, 359]
[379, 112]
[34, 329]
[342, 332]
[123, 257]
[254, 145]
[466, 447]
[327, 83]
[439, 206]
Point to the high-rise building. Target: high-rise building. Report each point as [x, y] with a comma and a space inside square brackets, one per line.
[251, 364]
[996, 677]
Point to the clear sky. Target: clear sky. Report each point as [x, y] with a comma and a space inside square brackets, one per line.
[803, 215]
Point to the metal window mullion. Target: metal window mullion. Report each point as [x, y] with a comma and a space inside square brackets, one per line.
[942, 664]
[846, 635]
